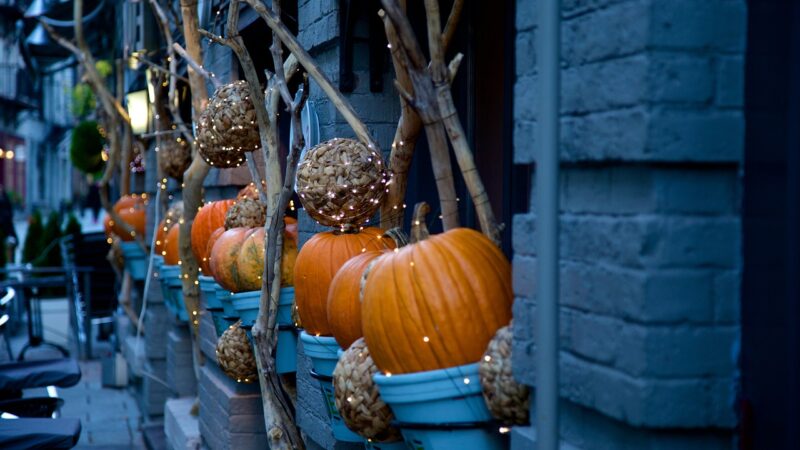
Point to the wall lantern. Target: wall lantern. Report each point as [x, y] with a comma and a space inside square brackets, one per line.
[138, 110]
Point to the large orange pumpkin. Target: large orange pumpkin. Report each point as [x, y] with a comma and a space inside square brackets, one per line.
[211, 241]
[344, 299]
[131, 209]
[224, 255]
[436, 303]
[171, 246]
[250, 262]
[317, 263]
[210, 217]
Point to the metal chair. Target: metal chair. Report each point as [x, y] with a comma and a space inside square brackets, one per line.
[90, 283]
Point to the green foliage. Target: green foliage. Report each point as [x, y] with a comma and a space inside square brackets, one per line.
[83, 100]
[86, 148]
[50, 237]
[104, 67]
[33, 239]
[73, 226]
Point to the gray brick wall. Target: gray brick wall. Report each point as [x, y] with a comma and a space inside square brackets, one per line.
[652, 144]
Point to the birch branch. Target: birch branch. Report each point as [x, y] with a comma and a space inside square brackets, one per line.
[196, 66]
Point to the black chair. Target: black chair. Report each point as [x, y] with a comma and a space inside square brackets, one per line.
[91, 283]
[39, 433]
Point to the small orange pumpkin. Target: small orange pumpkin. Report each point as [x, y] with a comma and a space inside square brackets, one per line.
[250, 262]
[171, 245]
[161, 238]
[344, 298]
[131, 209]
[211, 241]
[437, 303]
[250, 191]
[317, 263]
[210, 217]
[224, 255]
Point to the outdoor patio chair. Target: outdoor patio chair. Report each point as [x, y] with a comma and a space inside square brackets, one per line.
[91, 284]
[39, 433]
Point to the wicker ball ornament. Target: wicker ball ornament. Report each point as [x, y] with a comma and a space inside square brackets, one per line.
[357, 397]
[235, 355]
[247, 213]
[174, 157]
[342, 182]
[508, 401]
[227, 128]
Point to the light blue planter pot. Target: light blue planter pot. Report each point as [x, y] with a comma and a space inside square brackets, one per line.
[209, 289]
[245, 305]
[286, 351]
[399, 445]
[446, 406]
[475, 438]
[217, 317]
[168, 275]
[135, 259]
[285, 304]
[323, 351]
[324, 354]
[224, 297]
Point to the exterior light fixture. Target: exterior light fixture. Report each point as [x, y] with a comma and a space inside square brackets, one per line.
[138, 111]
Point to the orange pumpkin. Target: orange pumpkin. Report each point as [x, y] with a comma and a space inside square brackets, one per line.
[224, 255]
[108, 226]
[250, 262]
[131, 209]
[344, 298]
[161, 238]
[211, 241]
[437, 303]
[171, 246]
[317, 263]
[210, 217]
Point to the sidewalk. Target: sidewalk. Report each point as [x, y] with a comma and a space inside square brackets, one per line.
[109, 417]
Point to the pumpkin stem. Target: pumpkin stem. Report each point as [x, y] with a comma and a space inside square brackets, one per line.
[419, 229]
[399, 236]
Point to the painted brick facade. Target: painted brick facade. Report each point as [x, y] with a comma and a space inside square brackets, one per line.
[652, 134]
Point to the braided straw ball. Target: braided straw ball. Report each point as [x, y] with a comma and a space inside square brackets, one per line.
[342, 182]
[508, 401]
[247, 213]
[174, 157]
[227, 127]
[235, 355]
[357, 397]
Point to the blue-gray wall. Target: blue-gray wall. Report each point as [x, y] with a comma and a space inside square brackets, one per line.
[652, 148]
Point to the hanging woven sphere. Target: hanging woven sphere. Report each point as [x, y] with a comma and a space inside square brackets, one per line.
[247, 213]
[508, 400]
[235, 355]
[227, 128]
[357, 397]
[341, 182]
[174, 157]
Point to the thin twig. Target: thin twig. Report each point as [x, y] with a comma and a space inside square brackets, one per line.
[197, 67]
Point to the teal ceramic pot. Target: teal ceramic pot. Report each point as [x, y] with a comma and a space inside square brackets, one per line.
[135, 259]
[323, 352]
[209, 289]
[441, 409]
[245, 305]
[169, 275]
